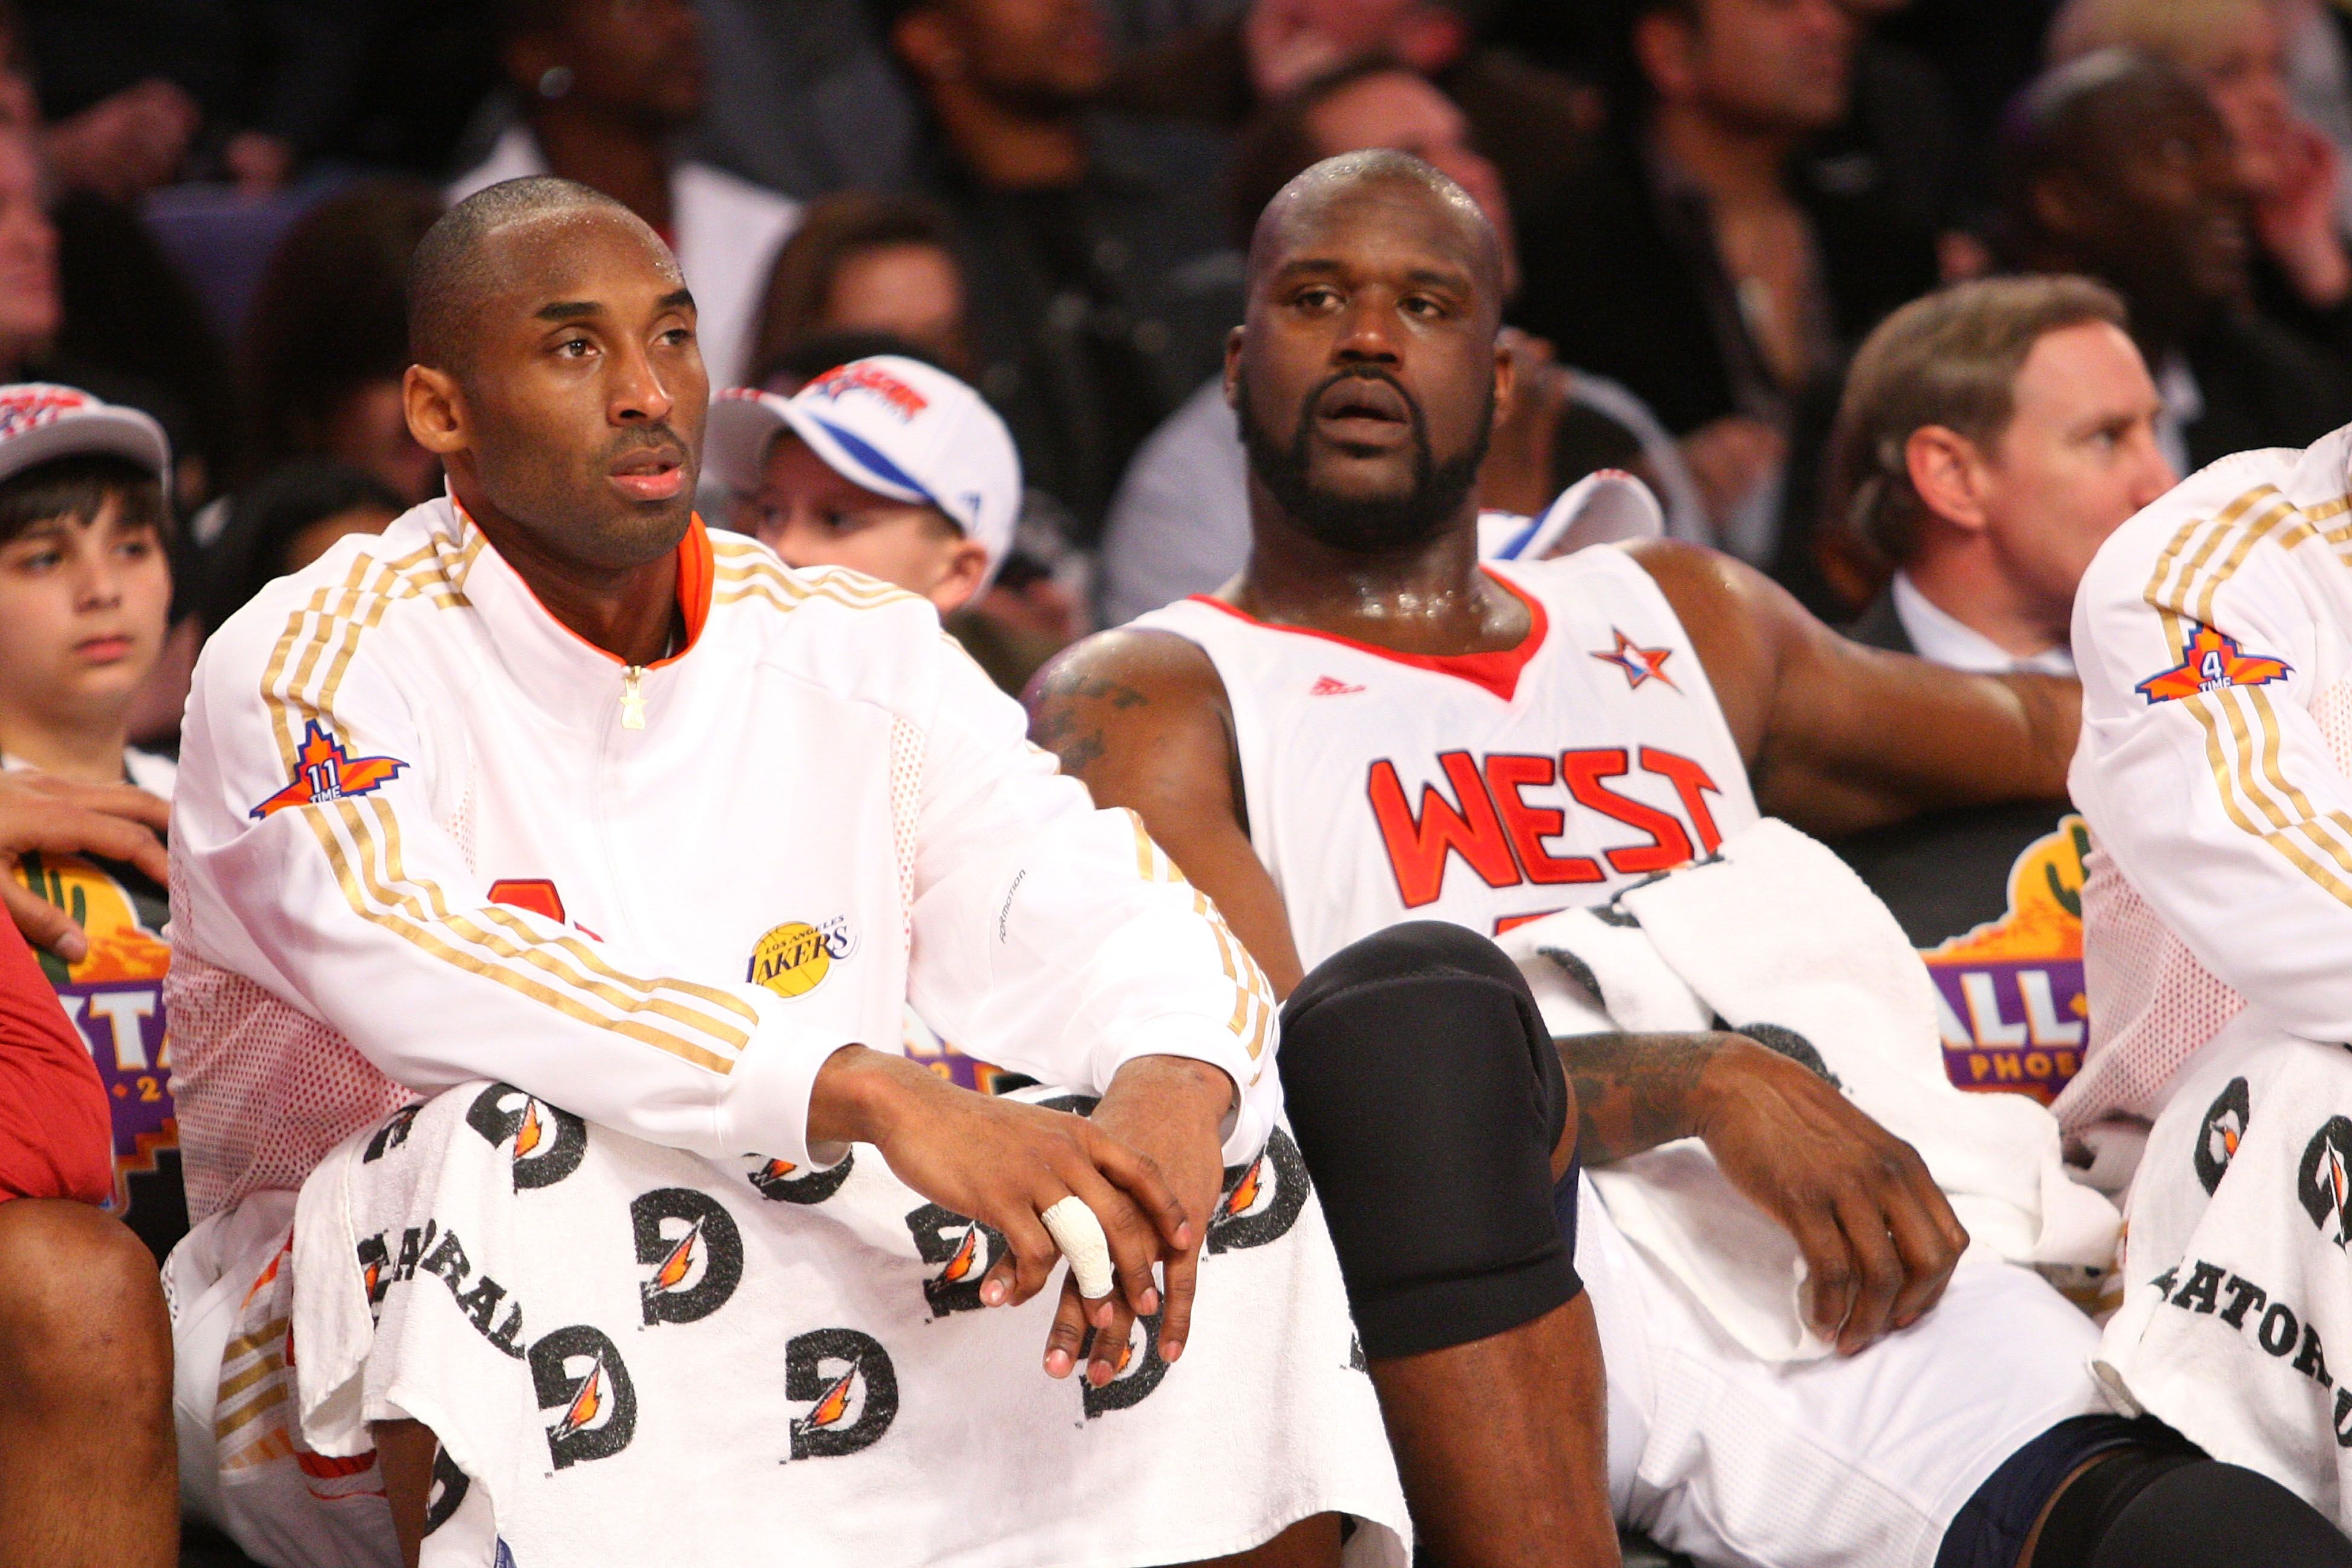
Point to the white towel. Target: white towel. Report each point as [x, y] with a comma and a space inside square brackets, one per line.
[633, 1354]
[2236, 1322]
[1780, 940]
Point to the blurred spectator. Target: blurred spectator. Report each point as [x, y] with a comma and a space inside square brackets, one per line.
[145, 91]
[1703, 261]
[866, 263]
[1532, 122]
[1991, 438]
[30, 310]
[1900, 140]
[2236, 48]
[2117, 166]
[1976, 57]
[327, 340]
[1098, 294]
[134, 334]
[804, 96]
[604, 87]
[1181, 522]
[2315, 40]
[132, 326]
[285, 521]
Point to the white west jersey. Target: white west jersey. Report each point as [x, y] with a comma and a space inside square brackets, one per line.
[424, 834]
[1487, 789]
[2214, 636]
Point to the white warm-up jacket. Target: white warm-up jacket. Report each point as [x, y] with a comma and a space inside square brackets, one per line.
[2214, 636]
[424, 833]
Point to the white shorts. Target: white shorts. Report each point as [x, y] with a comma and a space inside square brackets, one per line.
[243, 1469]
[632, 1353]
[1844, 1462]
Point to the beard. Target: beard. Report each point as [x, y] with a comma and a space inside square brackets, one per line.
[1365, 524]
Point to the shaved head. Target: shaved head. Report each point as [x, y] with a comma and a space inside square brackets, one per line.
[469, 256]
[1378, 176]
[557, 377]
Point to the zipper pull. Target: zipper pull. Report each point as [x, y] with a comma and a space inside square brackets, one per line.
[633, 699]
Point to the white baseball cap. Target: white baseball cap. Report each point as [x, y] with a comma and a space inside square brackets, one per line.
[893, 426]
[1604, 506]
[40, 420]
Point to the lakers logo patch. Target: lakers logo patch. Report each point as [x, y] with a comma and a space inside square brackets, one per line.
[793, 959]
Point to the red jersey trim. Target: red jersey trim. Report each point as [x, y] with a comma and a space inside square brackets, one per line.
[1497, 672]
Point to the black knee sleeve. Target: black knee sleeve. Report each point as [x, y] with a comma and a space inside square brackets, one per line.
[2143, 1508]
[1427, 1097]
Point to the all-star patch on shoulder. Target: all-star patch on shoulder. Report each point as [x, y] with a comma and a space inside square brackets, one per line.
[1641, 665]
[324, 770]
[2209, 662]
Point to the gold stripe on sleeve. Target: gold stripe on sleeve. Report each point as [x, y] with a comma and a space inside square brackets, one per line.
[533, 950]
[423, 937]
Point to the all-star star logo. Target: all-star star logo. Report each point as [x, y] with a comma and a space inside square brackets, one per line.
[1641, 665]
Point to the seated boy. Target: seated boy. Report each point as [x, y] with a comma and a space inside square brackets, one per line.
[85, 600]
[914, 480]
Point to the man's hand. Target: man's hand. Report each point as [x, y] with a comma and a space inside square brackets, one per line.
[1006, 1164]
[44, 815]
[1876, 1234]
[1166, 1109]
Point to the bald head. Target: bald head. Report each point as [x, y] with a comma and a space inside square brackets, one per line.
[474, 253]
[1367, 370]
[1375, 188]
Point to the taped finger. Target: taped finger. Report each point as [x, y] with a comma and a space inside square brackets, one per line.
[1080, 1236]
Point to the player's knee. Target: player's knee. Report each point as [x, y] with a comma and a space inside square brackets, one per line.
[2171, 1507]
[2207, 1514]
[1427, 1096]
[83, 1329]
[1336, 1043]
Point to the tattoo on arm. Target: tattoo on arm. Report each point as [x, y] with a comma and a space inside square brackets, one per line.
[1634, 1091]
[1068, 720]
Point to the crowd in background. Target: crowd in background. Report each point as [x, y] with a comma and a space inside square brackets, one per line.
[206, 211]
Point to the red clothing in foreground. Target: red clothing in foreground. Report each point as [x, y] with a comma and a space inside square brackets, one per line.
[55, 1134]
